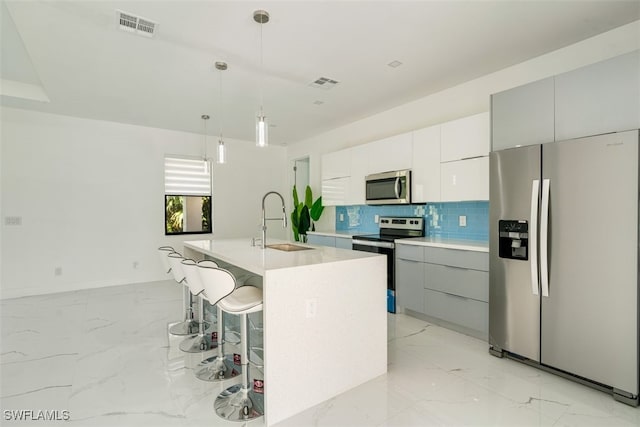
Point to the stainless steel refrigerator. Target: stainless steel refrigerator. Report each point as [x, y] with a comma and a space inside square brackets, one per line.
[563, 292]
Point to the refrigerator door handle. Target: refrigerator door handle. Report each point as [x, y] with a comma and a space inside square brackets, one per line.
[533, 233]
[544, 238]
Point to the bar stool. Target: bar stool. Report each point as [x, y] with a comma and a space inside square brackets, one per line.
[201, 342]
[163, 251]
[219, 367]
[188, 326]
[238, 402]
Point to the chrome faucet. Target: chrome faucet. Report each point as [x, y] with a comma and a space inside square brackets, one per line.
[264, 217]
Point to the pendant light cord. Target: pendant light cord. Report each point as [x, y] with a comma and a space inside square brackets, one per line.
[204, 119]
[261, 71]
[220, 103]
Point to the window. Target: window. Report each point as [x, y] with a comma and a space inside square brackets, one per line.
[187, 196]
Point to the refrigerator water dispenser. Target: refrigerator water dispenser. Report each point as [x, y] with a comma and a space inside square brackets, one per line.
[514, 239]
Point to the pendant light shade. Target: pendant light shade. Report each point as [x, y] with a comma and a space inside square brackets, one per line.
[262, 125]
[222, 152]
[204, 118]
[262, 130]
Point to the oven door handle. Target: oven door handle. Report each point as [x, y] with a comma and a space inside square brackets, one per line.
[387, 245]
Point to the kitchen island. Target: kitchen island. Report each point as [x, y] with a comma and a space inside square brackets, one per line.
[324, 317]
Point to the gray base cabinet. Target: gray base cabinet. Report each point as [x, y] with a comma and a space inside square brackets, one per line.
[445, 284]
[409, 284]
[333, 241]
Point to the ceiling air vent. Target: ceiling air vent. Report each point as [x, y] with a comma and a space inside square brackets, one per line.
[324, 83]
[135, 24]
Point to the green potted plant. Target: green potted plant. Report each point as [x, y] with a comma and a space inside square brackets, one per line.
[304, 214]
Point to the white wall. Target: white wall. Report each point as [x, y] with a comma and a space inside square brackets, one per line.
[463, 100]
[91, 197]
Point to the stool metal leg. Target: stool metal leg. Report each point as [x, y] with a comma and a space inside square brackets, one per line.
[188, 326]
[219, 367]
[240, 402]
[201, 342]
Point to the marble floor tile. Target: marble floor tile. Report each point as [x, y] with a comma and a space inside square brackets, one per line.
[105, 356]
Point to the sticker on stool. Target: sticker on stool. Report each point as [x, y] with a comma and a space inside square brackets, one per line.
[236, 359]
[258, 386]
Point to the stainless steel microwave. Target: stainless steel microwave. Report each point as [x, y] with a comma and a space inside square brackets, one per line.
[388, 188]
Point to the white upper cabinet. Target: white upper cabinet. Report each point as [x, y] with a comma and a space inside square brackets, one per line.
[465, 138]
[359, 165]
[335, 191]
[389, 154]
[523, 115]
[599, 98]
[336, 164]
[465, 180]
[425, 168]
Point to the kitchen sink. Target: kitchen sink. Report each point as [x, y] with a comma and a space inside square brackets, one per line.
[288, 247]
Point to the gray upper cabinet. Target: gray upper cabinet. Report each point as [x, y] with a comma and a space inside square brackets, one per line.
[523, 115]
[600, 98]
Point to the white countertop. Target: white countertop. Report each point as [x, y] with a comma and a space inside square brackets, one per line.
[438, 242]
[240, 253]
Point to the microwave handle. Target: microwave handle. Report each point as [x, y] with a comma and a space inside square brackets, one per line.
[398, 187]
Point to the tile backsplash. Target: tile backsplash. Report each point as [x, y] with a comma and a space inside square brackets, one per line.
[441, 219]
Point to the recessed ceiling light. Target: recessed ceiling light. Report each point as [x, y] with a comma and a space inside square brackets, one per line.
[394, 64]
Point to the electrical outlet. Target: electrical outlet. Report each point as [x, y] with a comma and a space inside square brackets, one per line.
[341, 217]
[376, 218]
[135, 264]
[462, 220]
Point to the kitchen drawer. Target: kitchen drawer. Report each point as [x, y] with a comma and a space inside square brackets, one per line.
[458, 281]
[457, 258]
[461, 311]
[410, 252]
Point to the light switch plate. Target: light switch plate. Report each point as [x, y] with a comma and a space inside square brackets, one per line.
[462, 220]
[376, 218]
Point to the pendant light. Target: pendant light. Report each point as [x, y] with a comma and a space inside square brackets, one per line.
[262, 125]
[222, 152]
[204, 118]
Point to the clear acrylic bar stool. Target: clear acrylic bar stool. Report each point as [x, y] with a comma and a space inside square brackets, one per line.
[202, 341]
[188, 326]
[238, 402]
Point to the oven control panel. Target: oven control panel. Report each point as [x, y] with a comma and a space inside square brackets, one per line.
[402, 223]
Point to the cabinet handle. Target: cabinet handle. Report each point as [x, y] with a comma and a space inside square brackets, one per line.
[472, 157]
[456, 296]
[455, 267]
[411, 260]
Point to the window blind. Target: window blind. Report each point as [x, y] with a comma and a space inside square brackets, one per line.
[186, 177]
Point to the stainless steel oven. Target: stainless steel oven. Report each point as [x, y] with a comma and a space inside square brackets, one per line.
[388, 188]
[391, 228]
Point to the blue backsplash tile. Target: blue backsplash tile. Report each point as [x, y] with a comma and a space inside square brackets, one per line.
[441, 219]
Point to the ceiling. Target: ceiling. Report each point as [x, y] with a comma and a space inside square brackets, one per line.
[71, 58]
